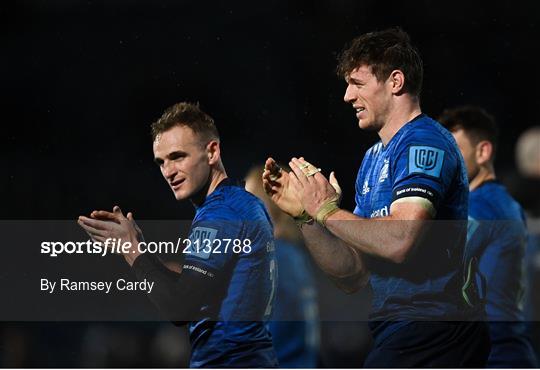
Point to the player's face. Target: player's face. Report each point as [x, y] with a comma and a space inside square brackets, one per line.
[370, 98]
[468, 151]
[183, 160]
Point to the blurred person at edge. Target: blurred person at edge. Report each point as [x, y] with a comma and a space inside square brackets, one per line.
[295, 321]
[528, 163]
[496, 237]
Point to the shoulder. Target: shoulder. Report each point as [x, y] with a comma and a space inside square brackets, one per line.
[492, 201]
[371, 156]
[425, 131]
[233, 203]
[427, 147]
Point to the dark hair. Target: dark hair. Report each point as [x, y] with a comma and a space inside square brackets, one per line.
[186, 114]
[384, 52]
[476, 122]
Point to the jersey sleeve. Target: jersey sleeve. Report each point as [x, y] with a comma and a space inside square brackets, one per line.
[361, 186]
[424, 167]
[358, 191]
[214, 243]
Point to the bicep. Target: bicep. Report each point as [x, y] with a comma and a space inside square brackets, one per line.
[409, 223]
[412, 209]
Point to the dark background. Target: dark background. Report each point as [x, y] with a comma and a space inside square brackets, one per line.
[81, 81]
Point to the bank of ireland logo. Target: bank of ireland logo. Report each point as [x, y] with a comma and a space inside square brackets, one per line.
[426, 159]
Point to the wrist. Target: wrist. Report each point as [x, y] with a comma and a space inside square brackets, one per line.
[134, 251]
[130, 258]
[303, 218]
[325, 211]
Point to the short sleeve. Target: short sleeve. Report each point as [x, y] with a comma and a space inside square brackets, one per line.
[212, 245]
[424, 167]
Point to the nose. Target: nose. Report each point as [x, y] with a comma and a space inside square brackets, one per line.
[349, 96]
[168, 170]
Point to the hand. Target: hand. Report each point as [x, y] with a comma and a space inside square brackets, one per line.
[116, 216]
[103, 225]
[276, 183]
[314, 190]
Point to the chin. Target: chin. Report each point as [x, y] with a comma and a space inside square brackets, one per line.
[364, 125]
[181, 195]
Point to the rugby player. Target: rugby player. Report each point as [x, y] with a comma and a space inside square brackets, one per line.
[225, 296]
[295, 321]
[497, 237]
[413, 175]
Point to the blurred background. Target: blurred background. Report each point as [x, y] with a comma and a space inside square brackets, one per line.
[81, 81]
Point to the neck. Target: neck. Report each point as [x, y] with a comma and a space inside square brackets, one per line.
[216, 176]
[404, 110]
[484, 174]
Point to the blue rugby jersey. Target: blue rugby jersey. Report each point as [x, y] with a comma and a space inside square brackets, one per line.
[497, 237]
[231, 329]
[295, 321]
[421, 160]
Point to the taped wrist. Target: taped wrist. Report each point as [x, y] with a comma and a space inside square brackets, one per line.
[303, 219]
[326, 210]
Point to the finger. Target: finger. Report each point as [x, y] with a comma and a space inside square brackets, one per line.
[295, 183]
[267, 187]
[117, 211]
[320, 179]
[104, 215]
[274, 169]
[92, 231]
[96, 224]
[92, 237]
[275, 176]
[132, 220]
[334, 183]
[269, 163]
[119, 214]
[307, 168]
[267, 175]
[300, 175]
[306, 164]
[96, 238]
[268, 181]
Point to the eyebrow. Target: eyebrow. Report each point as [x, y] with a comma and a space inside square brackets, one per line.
[354, 81]
[171, 155]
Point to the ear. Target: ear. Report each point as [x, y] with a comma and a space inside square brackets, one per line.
[213, 152]
[396, 81]
[484, 152]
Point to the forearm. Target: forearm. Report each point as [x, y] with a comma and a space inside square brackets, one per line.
[134, 252]
[176, 300]
[337, 259]
[385, 238]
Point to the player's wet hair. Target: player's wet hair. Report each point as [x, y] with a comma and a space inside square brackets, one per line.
[478, 124]
[384, 52]
[189, 115]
